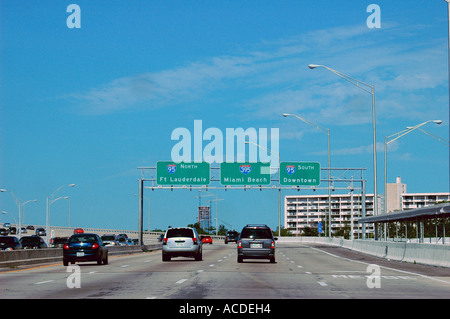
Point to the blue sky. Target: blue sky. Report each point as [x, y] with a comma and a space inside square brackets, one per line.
[90, 105]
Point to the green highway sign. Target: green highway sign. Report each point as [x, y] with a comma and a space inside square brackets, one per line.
[171, 173]
[245, 173]
[300, 173]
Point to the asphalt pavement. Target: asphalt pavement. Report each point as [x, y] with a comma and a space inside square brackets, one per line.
[301, 271]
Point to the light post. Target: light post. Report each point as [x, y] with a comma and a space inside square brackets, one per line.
[51, 200]
[371, 90]
[148, 209]
[4, 213]
[396, 136]
[326, 131]
[19, 205]
[217, 211]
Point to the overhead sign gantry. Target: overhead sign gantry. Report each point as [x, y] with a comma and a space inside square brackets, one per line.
[289, 176]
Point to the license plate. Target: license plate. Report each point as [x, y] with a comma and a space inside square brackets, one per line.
[255, 245]
[80, 253]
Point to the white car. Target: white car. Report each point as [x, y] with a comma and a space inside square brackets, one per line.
[181, 242]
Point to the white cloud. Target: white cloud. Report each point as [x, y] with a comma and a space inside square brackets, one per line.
[274, 78]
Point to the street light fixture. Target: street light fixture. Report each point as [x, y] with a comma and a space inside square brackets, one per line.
[4, 213]
[371, 90]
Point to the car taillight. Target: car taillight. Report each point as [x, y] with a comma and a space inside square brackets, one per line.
[239, 244]
[165, 241]
[66, 246]
[272, 246]
[95, 246]
[194, 240]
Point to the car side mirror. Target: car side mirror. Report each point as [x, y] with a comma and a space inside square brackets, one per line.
[276, 238]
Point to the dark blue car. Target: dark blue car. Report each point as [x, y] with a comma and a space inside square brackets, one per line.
[85, 247]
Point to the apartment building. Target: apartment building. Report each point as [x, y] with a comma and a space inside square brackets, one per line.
[303, 211]
[397, 198]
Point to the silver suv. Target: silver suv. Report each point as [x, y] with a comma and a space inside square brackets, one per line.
[181, 242]
[256, 242]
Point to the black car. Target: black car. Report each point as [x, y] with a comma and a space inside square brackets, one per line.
[85, 247]
[32, 242]
[232, 235]
[9, 243]
[256, 242]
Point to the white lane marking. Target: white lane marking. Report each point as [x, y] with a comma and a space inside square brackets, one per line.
[393, 269]
[323, 284]
[124, 266]
[181, 281]
[43, 282]
[212, 265]
[300, 266]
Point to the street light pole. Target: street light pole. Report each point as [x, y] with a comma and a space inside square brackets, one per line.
[217, 210]
[327, 131]
[371, 90]
[395, 137]
[19, 205]
[50, 200]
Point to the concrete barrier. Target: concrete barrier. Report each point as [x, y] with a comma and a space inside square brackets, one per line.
[427, 254]
[395, 251]
[20, 257]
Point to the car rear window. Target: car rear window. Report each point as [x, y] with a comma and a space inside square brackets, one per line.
[108, 238]
[180, 232]
[256, 233]
[7, 240]
[60, 240]
[30, 240]
[83, 239]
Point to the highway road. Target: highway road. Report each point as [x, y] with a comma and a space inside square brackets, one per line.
[300, 271]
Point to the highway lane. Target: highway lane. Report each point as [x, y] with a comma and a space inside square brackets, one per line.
[300, 271]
